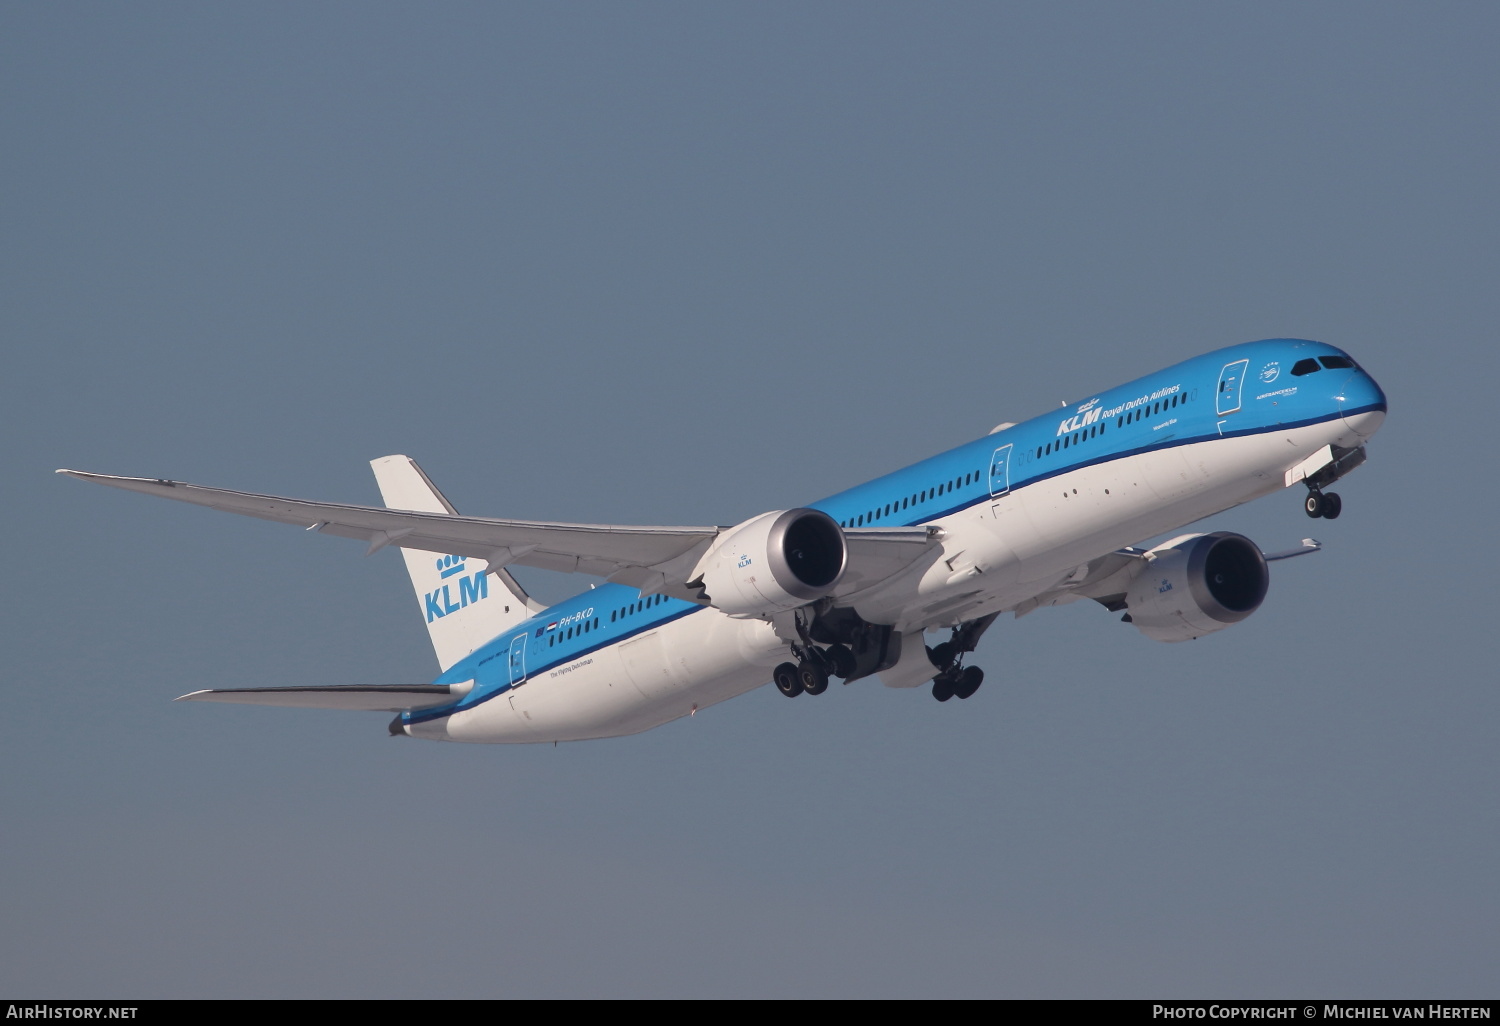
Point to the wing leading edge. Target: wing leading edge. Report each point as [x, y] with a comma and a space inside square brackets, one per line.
[653, 559]
[648, 557]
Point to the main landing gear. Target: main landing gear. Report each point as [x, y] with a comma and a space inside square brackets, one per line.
[955, 680]
[810, 675]
[957, 683]
[820, 656]
[1323, 504]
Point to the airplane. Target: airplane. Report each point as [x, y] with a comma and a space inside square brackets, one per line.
[1031, 515]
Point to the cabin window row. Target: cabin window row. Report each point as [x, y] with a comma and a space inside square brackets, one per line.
[586, 627]
[636, 607]
[881, 512]
[1068, 441]
[1143, 412]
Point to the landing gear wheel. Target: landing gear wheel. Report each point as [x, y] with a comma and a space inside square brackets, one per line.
[1316, 504]
[968, 681]
[787, 680]
[840, 660]
[812, 676]
[1332, 506]
[942, 687]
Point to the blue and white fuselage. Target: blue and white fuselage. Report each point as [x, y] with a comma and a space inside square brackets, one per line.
[1032, 514]
[1018, 509]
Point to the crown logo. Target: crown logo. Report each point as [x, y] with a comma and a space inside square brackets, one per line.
[450, 566]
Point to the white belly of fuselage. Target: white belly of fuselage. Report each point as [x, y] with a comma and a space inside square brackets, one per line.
[654, 678]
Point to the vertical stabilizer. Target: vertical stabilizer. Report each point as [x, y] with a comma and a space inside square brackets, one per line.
[464, 603]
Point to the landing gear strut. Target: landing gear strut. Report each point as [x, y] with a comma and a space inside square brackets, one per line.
[1323, 504]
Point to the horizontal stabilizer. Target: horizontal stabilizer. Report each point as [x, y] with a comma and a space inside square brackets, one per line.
[358, 697]
[1308, 545]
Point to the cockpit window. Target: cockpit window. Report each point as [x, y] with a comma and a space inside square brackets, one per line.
[1336, 362]
[1302, 367]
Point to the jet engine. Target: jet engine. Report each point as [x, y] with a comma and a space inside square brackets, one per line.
[1196, 585]
[771, 563]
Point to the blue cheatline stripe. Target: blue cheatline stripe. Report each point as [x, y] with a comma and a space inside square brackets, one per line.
[470, 700]
[1169, 443]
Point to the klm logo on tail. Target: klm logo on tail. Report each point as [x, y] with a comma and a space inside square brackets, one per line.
[471, 589]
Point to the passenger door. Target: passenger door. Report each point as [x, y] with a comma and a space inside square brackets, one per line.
[1000, 472]
[518, 660]
[1230, 380]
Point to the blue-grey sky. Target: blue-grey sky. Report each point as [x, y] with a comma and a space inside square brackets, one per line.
[683, 263]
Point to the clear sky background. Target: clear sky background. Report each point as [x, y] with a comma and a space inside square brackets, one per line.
[684, 263]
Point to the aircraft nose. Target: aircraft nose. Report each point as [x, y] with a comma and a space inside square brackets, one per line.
[1363, 404]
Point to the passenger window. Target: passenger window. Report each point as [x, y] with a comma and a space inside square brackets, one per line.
[1302, 367]
[1336, 362]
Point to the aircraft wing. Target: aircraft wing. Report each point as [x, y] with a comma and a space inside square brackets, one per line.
[604, 549]
[654, 559]
[876, 553]
[1106, 579]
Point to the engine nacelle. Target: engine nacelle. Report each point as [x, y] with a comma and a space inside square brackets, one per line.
[774, 562]
[1196, 585]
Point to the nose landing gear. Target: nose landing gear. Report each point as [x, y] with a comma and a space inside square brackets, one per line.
[1323, 504]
